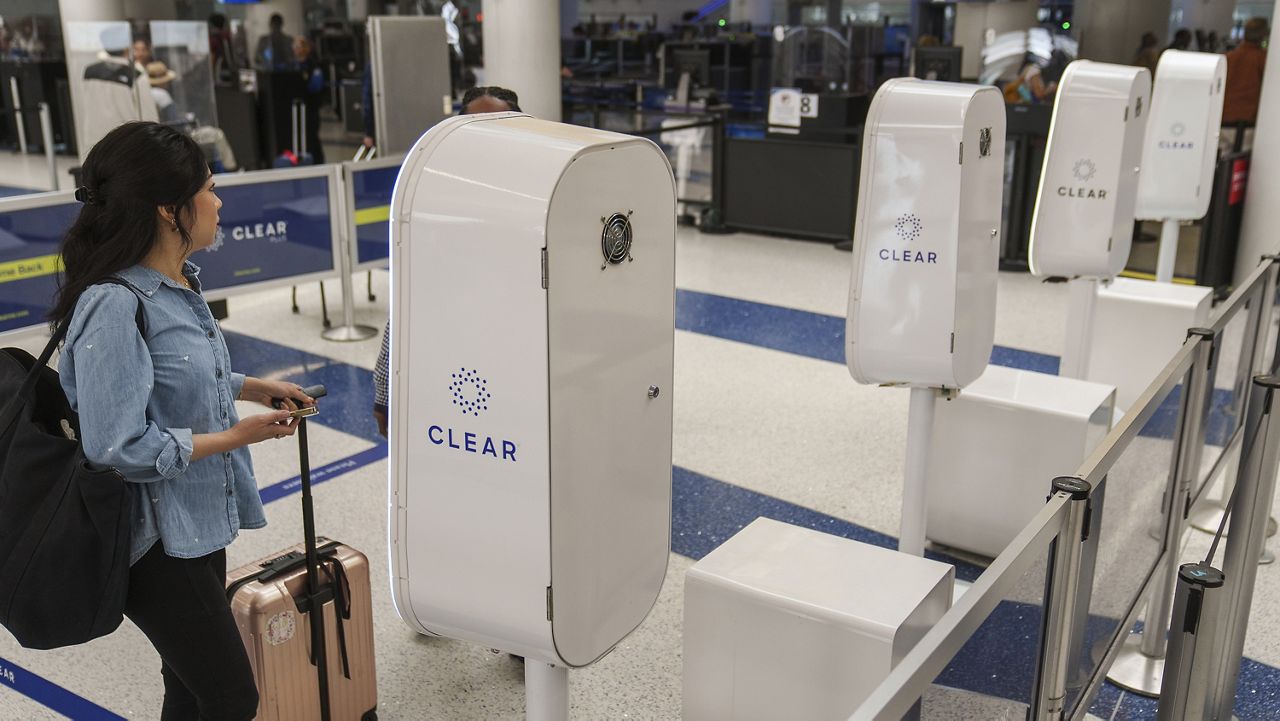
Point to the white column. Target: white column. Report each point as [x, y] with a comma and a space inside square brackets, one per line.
[522, 52]
[973, 20]
[1110, 31]
[74, 11]
[1261, 211]
[151, 9]
[1203, 15]
[757, 12]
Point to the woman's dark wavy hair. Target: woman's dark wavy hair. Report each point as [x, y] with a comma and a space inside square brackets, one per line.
[132, 171]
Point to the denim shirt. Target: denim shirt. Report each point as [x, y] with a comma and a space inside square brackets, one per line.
[140, 400]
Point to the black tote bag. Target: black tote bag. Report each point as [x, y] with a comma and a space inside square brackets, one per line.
[64, 525]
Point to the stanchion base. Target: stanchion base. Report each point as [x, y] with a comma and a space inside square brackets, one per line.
[1208, 518]
[349, 333]
[1135, 671]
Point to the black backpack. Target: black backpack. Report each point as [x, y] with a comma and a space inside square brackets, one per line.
[64, 525]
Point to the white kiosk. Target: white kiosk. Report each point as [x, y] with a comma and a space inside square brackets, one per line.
[778, 621]
[533, 301]
[922, 300]
[1181, 148]
[1082, 228]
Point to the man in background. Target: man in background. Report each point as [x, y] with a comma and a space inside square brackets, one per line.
[1244, 79]
[275, 49]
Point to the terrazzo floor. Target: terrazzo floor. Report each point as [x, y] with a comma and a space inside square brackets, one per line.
[765, 424]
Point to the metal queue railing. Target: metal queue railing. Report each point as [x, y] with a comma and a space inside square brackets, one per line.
[46, 131]
[1196, 615]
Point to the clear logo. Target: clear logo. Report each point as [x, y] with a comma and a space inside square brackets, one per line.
[1084, 170]
[908, 227]
[470, 392]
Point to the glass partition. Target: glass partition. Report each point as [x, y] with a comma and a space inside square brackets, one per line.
[107, 86]
[1122, 553]
[993, 674]
[980, 659]
[181, 75]
[688, 141]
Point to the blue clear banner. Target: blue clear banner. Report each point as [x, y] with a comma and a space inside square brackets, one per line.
[371, 189]
[29, 262]
[269, 230]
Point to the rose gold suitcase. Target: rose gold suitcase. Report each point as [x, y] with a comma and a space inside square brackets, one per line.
[304, 670]
[277, 634]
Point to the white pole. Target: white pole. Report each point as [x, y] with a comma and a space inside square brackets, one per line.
[911, 533]
[46, 140]
[1261, 211]
[19, 122]
[522, 52]
[1079, 339]
[546, 691]
[1168, 251]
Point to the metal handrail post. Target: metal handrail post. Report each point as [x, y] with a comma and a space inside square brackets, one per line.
[1196, 609]
[20, 123]
[349, 331]
[1140, 666]
[1049, 699]
[1250, 508]
[1209, 517]
[46, 139]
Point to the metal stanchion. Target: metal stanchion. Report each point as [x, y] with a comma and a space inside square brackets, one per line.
[349, 331]
[1209, 516]
[1049, 698]
[46, 139]
[1250, 509]
[1184, 695]
[19, 123]
[1140, 665]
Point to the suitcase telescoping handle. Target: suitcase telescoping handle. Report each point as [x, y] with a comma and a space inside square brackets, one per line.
[316, 594]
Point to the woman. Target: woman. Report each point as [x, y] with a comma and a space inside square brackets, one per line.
[160, 408]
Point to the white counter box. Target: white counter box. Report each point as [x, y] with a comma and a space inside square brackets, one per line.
[782, 622]
[1138, 326]
[997, 447]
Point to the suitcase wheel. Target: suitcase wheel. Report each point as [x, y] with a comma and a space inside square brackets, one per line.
[370, 715]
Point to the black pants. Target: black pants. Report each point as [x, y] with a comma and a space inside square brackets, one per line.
[181, 606]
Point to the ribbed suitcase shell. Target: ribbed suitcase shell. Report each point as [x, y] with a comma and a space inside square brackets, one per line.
[278, 639]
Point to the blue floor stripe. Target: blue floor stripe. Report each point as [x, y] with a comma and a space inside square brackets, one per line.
[51, 695]
[705, 511]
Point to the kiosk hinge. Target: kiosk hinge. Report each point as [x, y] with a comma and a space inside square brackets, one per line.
[962, 152]
[1126, 113]
[550, 607]
[545, 279]
[953, 343]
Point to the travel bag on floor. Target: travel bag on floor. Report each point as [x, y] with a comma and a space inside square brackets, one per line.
[306, 671]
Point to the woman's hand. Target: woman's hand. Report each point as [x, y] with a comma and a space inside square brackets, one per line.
[267, 392]
[263, 426]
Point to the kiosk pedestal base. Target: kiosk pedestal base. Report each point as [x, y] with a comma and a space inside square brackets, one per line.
[1042, 425]
[1137, 327]
[778, 622]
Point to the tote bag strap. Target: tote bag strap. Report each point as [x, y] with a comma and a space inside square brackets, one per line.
[29, 383]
